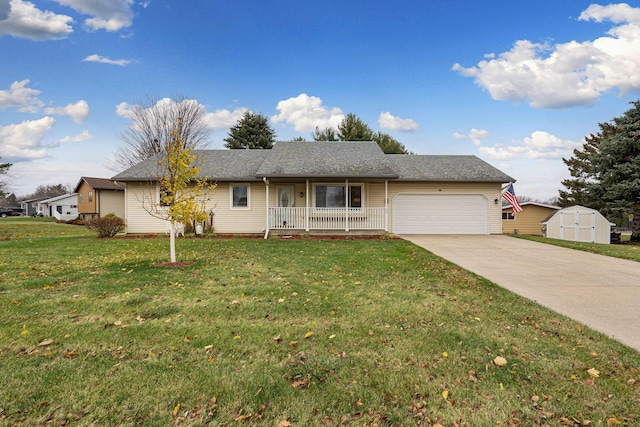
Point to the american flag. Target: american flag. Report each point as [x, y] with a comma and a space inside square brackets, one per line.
[510, 196]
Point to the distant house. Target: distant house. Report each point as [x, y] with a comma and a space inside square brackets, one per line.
[99, 197]
[579, 224]
[529, 220]
[325, 187]
[30, 206]
[63, 208]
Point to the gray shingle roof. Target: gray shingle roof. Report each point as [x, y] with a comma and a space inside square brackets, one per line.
[305, 159]
[412, 167]
[216, 165]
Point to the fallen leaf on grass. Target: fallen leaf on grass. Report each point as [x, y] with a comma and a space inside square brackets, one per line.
[593, 373]
[71, 354]
[308, 334]
[445, 394]
[613, 421]
[299, 384]
[277, 338]
[284, 423]
[500, 361]
[176, 409]
[45, 342]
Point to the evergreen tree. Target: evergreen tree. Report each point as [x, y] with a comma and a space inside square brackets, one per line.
[352, 128]
[582, 173]
[252, 131]
[617, 167]
[389, 144]
[327, 134]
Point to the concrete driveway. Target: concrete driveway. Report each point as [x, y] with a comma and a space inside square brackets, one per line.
[598, 291]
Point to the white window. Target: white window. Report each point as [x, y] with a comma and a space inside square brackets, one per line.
[240, 195]
[333, 196]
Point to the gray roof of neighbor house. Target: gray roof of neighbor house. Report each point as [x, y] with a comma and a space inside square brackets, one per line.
[99, 184]
[324, 160]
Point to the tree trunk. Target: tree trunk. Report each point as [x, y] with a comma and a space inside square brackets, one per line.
[635, 225]
[172, 240]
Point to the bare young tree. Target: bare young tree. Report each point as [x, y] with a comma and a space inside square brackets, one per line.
[154, 121]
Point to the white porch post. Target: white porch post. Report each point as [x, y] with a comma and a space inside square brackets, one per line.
[268, 225]
[306, 207]
[346, 205]
[386, 205]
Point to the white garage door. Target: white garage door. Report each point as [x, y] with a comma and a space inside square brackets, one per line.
[440, 214]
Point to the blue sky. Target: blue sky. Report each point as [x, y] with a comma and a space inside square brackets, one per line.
[519, 84]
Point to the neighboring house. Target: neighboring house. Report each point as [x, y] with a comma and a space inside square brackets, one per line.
[63, 208]
[99, 197]
[315, 187]
[30, 207]
[579, 224]
[529, 220]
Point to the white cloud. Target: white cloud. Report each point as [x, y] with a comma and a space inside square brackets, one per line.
[224, 119]
[388, 121]
[616, 13]
[104, 60]
[110, 15]
[475, 135]
[124, 110]
[78, 111]
[540, 145]
[22, 19]
[21, 97]
[25, 141]
[81, 137]
[567, 74]
[306, 113]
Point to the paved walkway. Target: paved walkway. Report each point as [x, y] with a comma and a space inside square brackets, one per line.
[598, 291]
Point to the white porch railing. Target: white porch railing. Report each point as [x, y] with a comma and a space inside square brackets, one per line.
[327, 219]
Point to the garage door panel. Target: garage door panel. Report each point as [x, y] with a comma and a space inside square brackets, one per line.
[440, 214]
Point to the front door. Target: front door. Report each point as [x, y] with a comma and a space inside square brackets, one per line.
[285, 202]
[285, 197]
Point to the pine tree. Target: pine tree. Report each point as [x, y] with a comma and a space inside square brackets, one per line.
[352, 128]
[617, 167]
[252, 131]
[583, 175]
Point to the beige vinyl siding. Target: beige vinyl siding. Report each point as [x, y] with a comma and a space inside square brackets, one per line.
[225, 219]
[490, 191]
[138, 220]
[228, 220]
[111, 202]
[528, 221]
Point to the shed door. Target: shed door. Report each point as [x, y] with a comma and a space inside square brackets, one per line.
[440, 214]
[579, 226]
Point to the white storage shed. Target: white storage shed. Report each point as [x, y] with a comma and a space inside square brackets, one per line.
[579, 224]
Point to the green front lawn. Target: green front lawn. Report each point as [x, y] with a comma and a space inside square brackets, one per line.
[287, 332]
[624, 251]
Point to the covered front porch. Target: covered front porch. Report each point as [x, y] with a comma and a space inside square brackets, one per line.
[328, 206]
